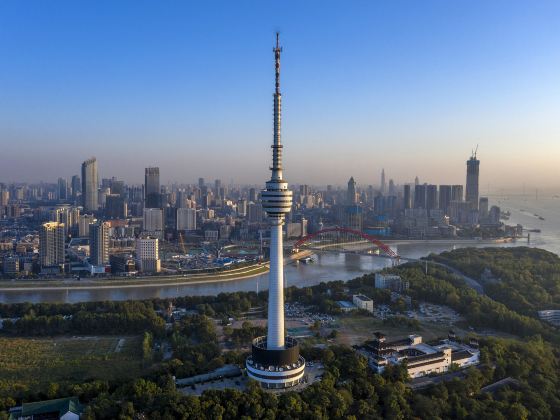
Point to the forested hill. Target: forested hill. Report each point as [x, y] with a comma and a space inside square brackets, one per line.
[524, 279]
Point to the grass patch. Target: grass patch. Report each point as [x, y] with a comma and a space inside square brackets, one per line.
[28, 363]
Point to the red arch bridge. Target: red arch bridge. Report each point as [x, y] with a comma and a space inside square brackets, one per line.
[342, 239]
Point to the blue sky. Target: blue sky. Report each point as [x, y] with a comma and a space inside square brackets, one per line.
[411, 86]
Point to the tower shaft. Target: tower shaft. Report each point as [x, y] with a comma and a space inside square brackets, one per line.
[275, 335]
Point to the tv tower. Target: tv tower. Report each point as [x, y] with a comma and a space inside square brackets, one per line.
[275, 361]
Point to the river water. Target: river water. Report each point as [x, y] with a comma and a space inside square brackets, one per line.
[327, 266]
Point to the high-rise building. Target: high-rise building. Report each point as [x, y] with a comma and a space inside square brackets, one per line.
[152, 191]
[4, 197]
[90, 183]
[62, 189]
[51, 244]
[445, 197]
[76, 186]
[431, 197]
[186, 219]
[254, 212]
[115, 206]
[383, 184]
[242, 208]
[217, 186]
[456, 193]
[275, 361]
[99, 244]
[407, 197]
[420, 196]
[253, 195]
[147, 254]
[471, 195]
[483, 207]
[201, 183]
[392, 187]
[153, 220]
[86, 220]
[351, 192]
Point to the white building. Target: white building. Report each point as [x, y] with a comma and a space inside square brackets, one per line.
[153, 220]
[552, 316]
[51, 244]
[147, 254]
[363, 302]
[83, 226]
[422, 359]
[186, 219]
[390, 281]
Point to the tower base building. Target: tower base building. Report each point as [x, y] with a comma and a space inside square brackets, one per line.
[276, 369]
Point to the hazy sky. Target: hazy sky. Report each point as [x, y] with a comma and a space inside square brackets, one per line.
[411, 86]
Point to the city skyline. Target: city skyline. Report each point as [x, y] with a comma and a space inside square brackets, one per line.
[404, 88]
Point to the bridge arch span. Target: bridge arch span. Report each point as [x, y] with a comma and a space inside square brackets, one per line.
[382, 246]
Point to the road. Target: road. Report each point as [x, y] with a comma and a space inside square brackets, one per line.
[470, 281]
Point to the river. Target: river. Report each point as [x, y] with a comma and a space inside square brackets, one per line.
[327, 266]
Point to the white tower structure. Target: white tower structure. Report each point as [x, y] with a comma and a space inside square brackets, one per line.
[275, 361]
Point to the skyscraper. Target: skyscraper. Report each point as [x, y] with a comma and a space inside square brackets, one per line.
[407, 197]
[445, 197]
[62, 189]
[151, 185]
[471, 195]
[115, 207]
[483, 207]
[51, 244]
[76, 186]
[431, 197]
[90, 183]
[392, 187]
[456, 193]
[351, 192]
[99, 244]
[275, 361]
[383, 184]
[420, 196]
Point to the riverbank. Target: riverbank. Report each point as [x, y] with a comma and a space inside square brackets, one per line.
[148, 281]
[454, 241]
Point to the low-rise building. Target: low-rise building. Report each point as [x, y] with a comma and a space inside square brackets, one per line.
[363, 302]
[390, 281]
[552, 316]
[346, 306]
[421, 358]
[62, 408]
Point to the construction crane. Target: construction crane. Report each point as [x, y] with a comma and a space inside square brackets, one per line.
[474, 152]
[182, 243]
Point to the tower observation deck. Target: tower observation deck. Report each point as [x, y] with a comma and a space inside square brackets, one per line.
[275, 361]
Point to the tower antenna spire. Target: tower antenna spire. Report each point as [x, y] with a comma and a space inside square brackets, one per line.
[277, 145]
